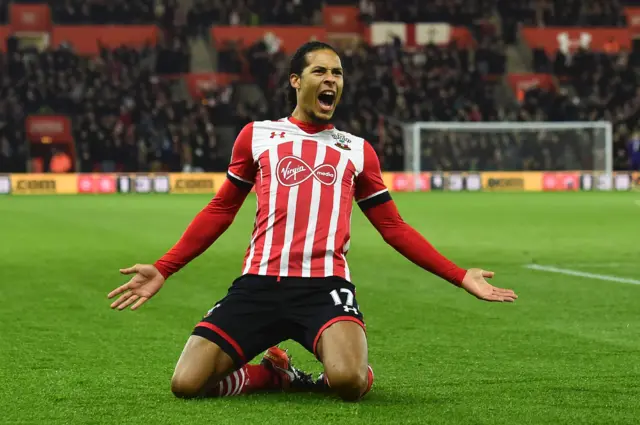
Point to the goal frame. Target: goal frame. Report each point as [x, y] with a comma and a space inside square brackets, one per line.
[414, 129]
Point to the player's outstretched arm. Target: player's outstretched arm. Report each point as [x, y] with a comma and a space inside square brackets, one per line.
[376, 203]
[203, 231]
[413, 246]
[216, 217]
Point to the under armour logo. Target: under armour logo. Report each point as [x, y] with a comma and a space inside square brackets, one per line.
[293, 171]
[348, 309]
[273, 134]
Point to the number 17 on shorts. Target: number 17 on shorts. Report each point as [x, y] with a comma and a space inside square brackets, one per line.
[345, 298]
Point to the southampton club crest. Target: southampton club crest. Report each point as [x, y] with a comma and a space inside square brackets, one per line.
[341, 141]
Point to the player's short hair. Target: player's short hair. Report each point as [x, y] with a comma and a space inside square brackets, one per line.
[299, 62]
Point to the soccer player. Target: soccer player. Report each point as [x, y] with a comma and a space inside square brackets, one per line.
[295, 283]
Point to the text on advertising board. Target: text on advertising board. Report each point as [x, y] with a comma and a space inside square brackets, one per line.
[34, 184]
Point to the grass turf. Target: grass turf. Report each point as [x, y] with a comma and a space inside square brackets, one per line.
[566, 352]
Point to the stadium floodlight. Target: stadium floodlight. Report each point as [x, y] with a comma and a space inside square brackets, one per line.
[480, 147]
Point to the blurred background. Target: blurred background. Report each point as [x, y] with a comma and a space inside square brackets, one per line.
[165, 85]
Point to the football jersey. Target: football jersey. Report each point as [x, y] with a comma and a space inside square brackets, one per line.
[305, 177]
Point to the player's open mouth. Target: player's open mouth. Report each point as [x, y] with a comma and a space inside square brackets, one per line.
[326, 99]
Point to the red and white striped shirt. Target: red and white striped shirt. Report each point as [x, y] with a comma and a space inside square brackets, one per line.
[306, 177]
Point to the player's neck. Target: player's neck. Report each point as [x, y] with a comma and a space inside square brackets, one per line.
[306, 123]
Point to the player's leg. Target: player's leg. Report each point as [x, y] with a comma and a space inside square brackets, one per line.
[205, 370]
[342, 349]
[239, 327]
[332, 329]
[201, 367]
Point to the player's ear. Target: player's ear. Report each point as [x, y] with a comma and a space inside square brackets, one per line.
[294, 80]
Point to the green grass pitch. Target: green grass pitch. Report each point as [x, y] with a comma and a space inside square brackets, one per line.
[567, 352]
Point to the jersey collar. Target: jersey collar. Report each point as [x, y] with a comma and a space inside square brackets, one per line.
[309, 127]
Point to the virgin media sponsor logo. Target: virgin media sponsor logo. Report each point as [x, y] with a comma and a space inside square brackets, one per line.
[292, 171]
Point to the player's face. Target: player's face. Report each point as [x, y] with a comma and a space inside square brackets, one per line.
[320, 85]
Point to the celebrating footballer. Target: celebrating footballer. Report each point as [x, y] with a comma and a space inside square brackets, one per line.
[295, 282]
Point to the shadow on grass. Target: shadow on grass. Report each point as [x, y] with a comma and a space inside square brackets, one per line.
[379, 397]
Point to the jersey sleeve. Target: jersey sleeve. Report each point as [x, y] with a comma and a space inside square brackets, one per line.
[242, 169]
[205, 229]
[411, 244]
[370, 188]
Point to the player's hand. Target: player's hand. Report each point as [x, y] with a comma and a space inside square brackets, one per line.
[146, 282]
[475, 283]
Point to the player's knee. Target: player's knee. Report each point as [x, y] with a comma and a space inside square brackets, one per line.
[183, 387]
[348, 382]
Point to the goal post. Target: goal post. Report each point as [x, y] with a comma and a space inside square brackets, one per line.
[489, 147]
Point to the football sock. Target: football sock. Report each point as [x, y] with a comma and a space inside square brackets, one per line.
[248, 378]
[369, 381]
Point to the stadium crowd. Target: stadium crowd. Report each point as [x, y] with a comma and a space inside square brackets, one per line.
[447, 83]
[456, 12]
[4, 11]
[564, 13]
[253, 12]
[100, 12]
[126, 115]
[389, 81]
[560, 13]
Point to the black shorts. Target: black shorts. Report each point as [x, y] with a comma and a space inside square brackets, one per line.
[261, 311]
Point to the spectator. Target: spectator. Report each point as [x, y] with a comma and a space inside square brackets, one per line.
[206, 13]
[634, 152]
[367, 11]
[4, 11]
[559, 13]
[455, 12]
[100, 12]
[60, 162]
[490, 58]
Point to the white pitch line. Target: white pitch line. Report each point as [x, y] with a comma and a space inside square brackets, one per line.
[595, 265]
[578, 273]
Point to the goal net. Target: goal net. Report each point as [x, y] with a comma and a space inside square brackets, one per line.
[460, 154]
